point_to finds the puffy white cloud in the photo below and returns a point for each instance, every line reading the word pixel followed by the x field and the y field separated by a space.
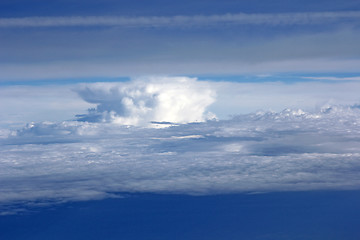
pixel 142 101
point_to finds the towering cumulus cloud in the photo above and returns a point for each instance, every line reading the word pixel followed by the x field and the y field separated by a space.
pixel 144 101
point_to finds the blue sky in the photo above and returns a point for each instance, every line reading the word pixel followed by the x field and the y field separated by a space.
pixel 103 101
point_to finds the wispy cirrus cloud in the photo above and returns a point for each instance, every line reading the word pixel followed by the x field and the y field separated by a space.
pixel 272 19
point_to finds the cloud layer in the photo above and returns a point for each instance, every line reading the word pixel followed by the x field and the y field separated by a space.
pixel 114 148
pixel 264 151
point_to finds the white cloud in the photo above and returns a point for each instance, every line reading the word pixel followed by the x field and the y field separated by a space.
pixel 187 21
pixel 174 100
pixel 24 104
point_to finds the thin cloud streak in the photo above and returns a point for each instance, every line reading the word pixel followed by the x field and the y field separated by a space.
pixel 302 18
pixel 334 78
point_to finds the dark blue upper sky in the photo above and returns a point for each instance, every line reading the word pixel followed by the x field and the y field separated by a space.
pixel 23 8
